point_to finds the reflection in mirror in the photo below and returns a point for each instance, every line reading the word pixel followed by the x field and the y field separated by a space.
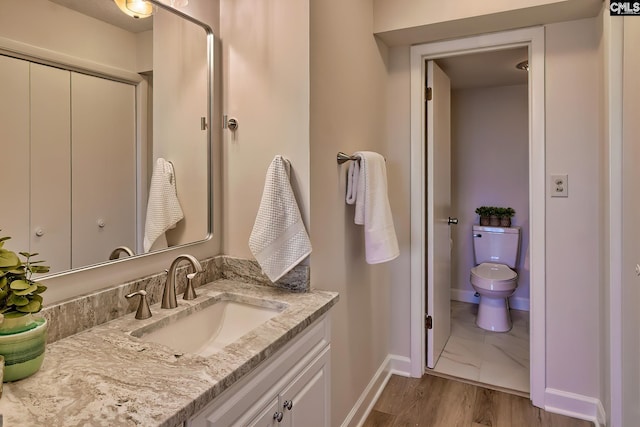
pixel 103 130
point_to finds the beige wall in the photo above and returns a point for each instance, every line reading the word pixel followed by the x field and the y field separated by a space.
pixel 573 111
pixel 406 22
pixel 399 14
pixel 100 43
pixel 489 167
pixel 179 100
pixel 266 88
pixel 349 113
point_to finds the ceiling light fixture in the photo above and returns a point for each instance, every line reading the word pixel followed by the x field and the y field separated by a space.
pixel 524 65
pixel 135 8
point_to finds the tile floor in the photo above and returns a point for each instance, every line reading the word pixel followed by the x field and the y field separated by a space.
pixel 500 359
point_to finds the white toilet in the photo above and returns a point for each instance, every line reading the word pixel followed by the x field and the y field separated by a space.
pixel 496 251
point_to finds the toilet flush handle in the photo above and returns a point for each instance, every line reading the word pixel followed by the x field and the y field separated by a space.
pixel 452 221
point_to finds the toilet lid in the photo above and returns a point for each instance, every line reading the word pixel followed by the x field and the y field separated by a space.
pixel 494 272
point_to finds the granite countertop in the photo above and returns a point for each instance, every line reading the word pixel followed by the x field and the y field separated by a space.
pixel 105 377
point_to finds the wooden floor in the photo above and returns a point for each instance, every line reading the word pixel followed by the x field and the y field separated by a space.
pixel 440 402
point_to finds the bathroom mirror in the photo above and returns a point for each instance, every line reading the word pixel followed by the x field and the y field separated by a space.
pixel 90 100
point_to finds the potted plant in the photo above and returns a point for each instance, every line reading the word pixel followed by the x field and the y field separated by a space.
pixel 505 216
pixel 22 336
pixel 485 212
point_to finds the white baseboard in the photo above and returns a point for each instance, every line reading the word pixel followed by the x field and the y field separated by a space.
pixel 575 405
pixel 465 295
pixel 364 405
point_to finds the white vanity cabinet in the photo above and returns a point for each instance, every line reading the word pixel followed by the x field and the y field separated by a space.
pixel 291 388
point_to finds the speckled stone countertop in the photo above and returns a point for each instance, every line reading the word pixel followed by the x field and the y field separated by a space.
pixel 105 377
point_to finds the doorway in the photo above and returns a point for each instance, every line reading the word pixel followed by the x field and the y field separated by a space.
pixel 423 217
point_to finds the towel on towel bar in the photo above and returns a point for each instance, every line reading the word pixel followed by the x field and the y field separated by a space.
pixel 367 188
pixel 279 240
pixel 163 208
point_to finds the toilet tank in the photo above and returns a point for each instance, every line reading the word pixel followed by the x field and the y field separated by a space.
pixel 496 244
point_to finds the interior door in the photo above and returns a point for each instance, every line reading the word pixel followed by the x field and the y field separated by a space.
pixel 438 198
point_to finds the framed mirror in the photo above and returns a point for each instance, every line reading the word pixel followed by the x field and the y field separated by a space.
pixel 104 130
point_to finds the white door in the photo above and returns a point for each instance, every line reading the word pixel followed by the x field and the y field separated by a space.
pixel 51 166
pixel 438 198
pixel 14 145
pixel 103 153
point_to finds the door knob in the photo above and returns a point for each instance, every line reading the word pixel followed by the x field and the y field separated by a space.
pixel 452 221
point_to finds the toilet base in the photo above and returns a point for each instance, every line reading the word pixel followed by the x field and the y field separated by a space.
pixel 493 314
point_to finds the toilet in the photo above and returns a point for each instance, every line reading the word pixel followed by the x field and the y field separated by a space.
pixel 496 251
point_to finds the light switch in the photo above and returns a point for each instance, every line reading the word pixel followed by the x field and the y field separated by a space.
pixel 560 185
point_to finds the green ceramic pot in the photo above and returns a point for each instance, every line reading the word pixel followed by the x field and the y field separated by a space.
pixel 22 343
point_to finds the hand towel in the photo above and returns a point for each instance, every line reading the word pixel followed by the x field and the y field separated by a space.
pixel 279 240
pixel 367 188
pixel 163 208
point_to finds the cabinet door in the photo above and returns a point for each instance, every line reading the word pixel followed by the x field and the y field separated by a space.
pixel 104 168
pixel 268 417
pixel 308 396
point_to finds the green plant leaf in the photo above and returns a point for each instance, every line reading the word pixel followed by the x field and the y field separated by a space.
pixel 8 258
pixel 39 268
pixel 18 285
pixel 41 288
pixel 27 291
pixel 17 300
pixel 33 307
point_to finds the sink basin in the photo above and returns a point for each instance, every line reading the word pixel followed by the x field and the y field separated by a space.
pixel 208 327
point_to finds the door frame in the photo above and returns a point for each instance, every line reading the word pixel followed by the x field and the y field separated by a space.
pixel 533 38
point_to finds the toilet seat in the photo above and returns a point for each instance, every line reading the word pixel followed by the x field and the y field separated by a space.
pixel 495 277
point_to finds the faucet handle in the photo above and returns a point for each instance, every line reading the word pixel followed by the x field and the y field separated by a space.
pixel 189 292
pixel 143 311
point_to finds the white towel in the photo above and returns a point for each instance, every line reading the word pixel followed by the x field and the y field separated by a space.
pixel 163 207
pixel 278 240
pixel 367 188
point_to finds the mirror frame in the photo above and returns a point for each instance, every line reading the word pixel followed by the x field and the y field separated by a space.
pixel 27 51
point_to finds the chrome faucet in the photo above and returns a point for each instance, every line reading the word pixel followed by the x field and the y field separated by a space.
pixel 115 254
pixel 169 296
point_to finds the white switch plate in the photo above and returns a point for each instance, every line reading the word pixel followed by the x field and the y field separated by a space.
pixel 560 185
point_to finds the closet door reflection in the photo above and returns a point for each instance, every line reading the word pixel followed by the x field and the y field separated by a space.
pixel 14 146
pixel 50 166
pixel 104 168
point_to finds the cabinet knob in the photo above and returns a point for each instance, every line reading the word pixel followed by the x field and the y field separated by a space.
pixel 39 232
pixel 101 223
pixel 288 404
pixel 278 416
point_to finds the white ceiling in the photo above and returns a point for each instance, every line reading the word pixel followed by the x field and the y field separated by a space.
pixel 107 11
pixel 485 69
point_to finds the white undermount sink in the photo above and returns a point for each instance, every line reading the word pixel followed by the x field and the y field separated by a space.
pixel 206 328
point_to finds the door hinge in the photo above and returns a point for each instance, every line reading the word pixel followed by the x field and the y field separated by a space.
pixel 428 93
pixel 428 322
